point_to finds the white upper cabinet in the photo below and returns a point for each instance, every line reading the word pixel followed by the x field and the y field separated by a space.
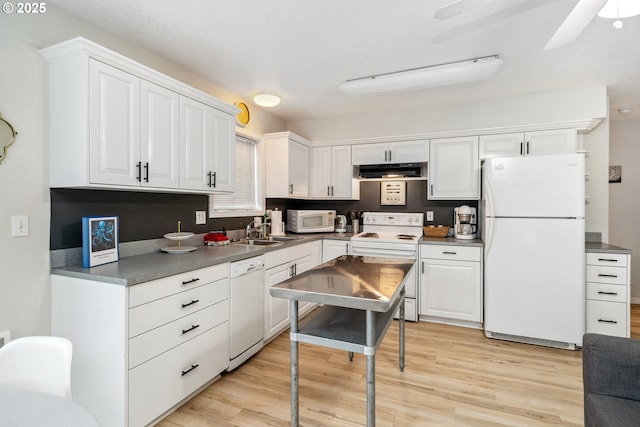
pixel 206 164
pixel 160 138
pixel 287 165
pixel 393 152
pixel 545 142
pixel 116 124
pixel 331 172
pixel 454 169
pixel 114 117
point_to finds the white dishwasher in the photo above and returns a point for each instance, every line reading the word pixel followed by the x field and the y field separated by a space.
pixel 247 310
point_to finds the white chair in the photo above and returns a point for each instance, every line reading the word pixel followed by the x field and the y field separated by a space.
pixel 37 364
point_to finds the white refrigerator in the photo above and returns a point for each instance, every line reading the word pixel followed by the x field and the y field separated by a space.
pixel 534 258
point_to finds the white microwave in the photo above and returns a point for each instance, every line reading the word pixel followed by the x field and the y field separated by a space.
pixel 310 221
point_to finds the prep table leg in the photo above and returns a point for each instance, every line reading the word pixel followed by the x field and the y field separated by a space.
pixel 401 320
pixel 371 370
pixel 295 413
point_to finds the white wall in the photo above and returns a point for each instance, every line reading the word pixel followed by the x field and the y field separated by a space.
pixel 624 201
pixel 24 183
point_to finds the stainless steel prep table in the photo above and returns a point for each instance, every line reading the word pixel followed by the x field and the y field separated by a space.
pixel 360 296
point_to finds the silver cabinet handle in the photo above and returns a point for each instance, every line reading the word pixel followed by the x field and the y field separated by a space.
pixel 607 275
pixel 449 253
pixel 607 293
pixel 607 260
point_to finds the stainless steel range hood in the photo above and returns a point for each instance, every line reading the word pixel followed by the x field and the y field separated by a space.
pixel 392 170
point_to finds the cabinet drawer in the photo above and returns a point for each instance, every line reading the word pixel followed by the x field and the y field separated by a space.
pixel 162 382
pixel 281 256
pixel 607 292
pixel 151 315
pixel 615 275
pixel 156 289
pixel 156 341
pixel 608 318
pixel 607 259
pixel 459 253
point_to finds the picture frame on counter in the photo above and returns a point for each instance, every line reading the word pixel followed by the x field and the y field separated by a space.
pixel 99 240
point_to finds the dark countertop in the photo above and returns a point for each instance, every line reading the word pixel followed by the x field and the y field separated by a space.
pixel 156 265
pixel 605 247
pixel 450 241
pixel 359 282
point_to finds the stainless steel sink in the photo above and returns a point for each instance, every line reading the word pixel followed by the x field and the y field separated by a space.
pixel 262 242
pixel 271 240
pixel 283 238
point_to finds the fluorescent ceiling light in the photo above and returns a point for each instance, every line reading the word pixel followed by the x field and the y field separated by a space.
pixel 266 100
pixel 419 78
pixel 620 9
pixel 625 110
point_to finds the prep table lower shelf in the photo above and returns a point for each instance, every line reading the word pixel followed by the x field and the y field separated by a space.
pixel 343 328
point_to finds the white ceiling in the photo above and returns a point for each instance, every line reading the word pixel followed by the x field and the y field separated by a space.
pixel 303 49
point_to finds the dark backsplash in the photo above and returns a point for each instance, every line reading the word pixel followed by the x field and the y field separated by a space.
pixel 146 215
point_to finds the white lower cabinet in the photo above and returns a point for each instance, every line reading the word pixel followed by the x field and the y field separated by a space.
pixel 451 284
pixel 334 248
pixel 281 265
pixel 164 381
pixel 139 351
pixel 608 294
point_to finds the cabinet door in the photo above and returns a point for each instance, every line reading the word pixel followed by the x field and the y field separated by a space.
pixel 333 249
pixel 298 170
pixel 502 145
pixel 114 135
pixel 195 142
pixel 454 169
pixel 369 154
pixel 222 128
pixel 408 152
pixel 451 289
pixel 160 136
pixel 277 309
pixel 321 172
pixel 559 141
pixel 341 172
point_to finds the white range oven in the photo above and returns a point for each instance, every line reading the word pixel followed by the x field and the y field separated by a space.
pixel 393 236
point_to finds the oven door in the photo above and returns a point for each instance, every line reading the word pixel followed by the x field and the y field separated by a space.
pixel 398 250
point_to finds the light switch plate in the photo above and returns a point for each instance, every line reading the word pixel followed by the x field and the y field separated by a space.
pixel 201 217
pixel 19 226
pixel 429 215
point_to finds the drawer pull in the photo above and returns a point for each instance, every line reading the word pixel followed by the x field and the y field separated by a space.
pixel 449 253
pixel 607 321
pixel 184 331
pixel 190 369
pixel 607 293
pixel 607 259
pixel 190 281
pixel 190 303
pixel 607 275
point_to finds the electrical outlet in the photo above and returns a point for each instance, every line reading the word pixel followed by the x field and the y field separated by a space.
pixel 429 215
pixel 201 217
pixel 19 226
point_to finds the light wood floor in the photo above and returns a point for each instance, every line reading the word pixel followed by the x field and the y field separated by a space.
pixel 453 376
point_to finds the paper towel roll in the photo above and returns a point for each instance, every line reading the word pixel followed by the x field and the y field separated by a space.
pixel 276 223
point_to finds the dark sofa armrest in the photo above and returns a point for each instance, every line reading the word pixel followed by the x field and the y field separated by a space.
pixel 611 366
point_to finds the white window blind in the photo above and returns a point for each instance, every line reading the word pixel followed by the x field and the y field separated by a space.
pixel 244 198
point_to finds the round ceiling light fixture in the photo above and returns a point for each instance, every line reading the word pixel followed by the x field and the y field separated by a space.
pixel 619 9
pixel 266 100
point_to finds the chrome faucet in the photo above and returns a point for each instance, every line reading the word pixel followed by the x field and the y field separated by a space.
pixel 260 228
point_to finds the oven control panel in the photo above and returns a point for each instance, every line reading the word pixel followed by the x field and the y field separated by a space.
pixel 400 219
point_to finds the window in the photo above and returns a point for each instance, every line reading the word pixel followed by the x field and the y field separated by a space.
pixel 248 196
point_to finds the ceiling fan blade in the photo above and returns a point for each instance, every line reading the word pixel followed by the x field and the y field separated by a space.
pixel 458 7
pixel 575 23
